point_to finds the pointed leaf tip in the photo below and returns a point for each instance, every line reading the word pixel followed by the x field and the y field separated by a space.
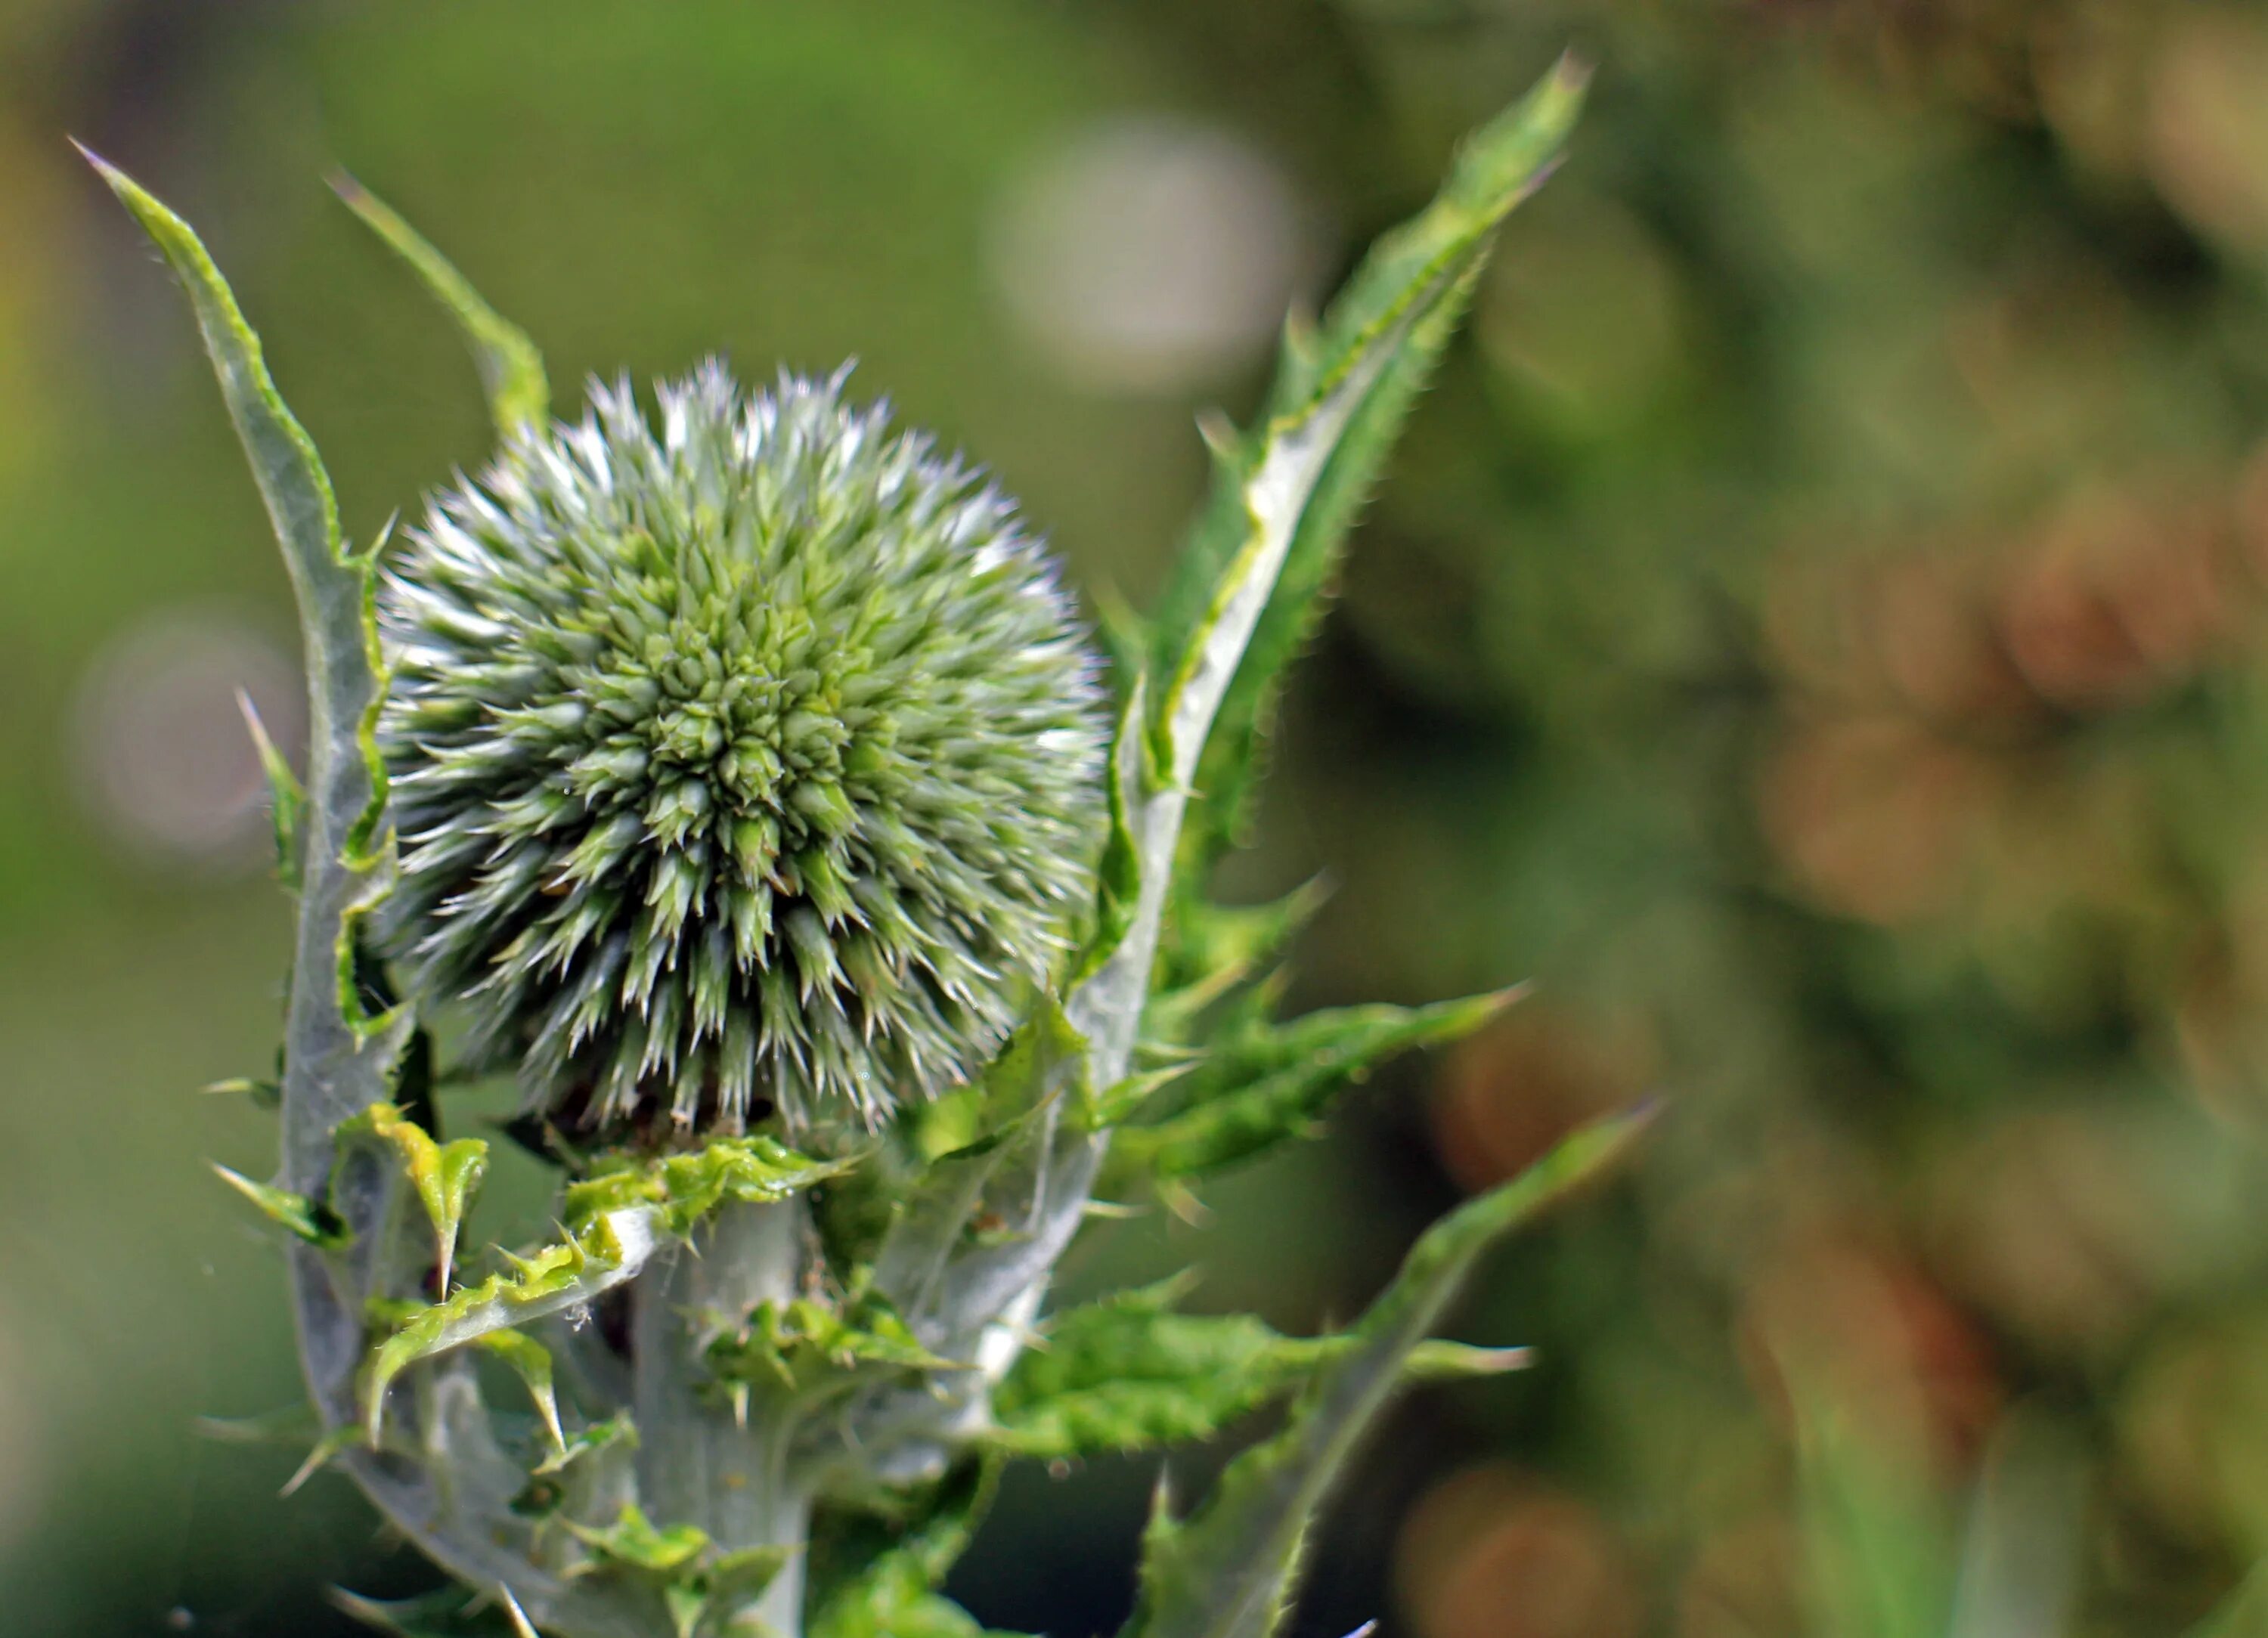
pixel 305 1219
pixel 521 1626
pixel 109 172
pixel 531 1361
pixel 326 1451
pixel 1220 436
pixel 446 1177
pixel 1571 76
pixel 287 797
pixel 1450 1362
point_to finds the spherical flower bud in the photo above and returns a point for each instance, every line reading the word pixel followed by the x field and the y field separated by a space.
pixel 748 763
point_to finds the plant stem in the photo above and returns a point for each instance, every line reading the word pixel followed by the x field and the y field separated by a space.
pixel 697 1463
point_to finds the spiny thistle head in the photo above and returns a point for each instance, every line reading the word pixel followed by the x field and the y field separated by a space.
pixel 752 763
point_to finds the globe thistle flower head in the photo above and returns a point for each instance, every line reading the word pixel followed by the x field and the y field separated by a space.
pixel 748 761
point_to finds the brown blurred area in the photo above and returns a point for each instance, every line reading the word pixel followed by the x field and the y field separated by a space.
pixel 1816 630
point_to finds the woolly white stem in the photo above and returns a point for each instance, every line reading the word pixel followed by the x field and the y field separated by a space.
pixel 698 1464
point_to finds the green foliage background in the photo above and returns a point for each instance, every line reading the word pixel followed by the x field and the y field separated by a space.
pixel 1814 630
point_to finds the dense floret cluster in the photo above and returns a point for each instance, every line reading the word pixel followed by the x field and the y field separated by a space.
pixel 748 762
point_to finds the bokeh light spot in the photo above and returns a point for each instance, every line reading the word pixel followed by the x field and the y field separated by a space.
pixel 166 766
pixel 1149 254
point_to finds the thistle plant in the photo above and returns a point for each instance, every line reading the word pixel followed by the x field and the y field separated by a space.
pixel 735 773
pixel 750 768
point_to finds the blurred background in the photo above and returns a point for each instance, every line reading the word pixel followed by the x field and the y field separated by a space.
pixel 1818 630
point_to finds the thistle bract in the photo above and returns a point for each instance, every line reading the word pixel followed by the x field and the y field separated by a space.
pixel 748 763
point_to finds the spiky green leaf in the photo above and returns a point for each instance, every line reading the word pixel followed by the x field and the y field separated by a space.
pixel 339 1055
pixel 723 1583
pixel 745 1572
pixel 510 368
pixel 1251 574
pixel 1228 1571
pixel 1274 1084
pixel 597 1255
pixel 614 1222
pixel 1042 1061
pixel 1129 1374
pixel 617 1429
pixel 979 1194
pixel 326 1450
pixel 264 1094
pixel 682 1189
pixel 1116 1104
pixel 1214 948
pixel 444 1176
pixel 697 1581
pixel 801 1345
pixel 336 1061
pixel 1384 334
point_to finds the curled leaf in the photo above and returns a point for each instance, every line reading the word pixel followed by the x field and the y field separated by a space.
pixel 531 1363
pixel 446 1176
pixel 682 1189
pixel 606 1250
